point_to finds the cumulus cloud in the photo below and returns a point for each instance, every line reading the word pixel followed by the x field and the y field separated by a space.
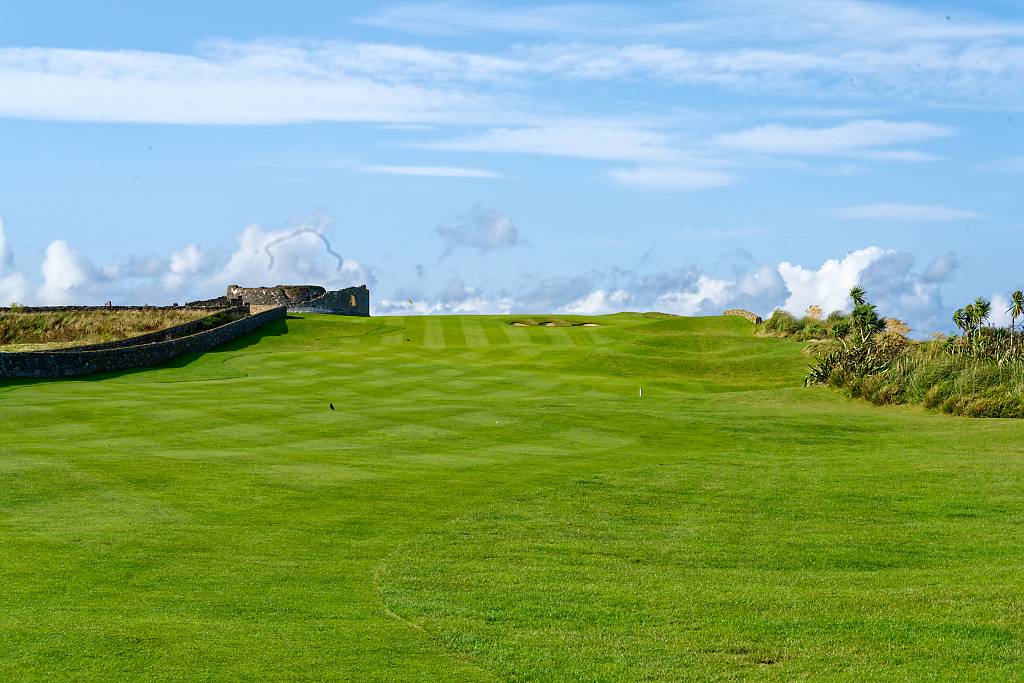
pixel 889 278
pixel 13 286
pixel 828 285
pixel 6 255
pixel 183 264
pixel 485 230
pixel 598 302
pixel 68 277
pixel 454 298
pixel 300 254
pixel 941 267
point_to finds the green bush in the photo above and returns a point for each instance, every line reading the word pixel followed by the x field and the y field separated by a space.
pixel 783 322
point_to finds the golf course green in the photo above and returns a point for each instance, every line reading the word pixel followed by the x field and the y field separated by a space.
pixel 498 502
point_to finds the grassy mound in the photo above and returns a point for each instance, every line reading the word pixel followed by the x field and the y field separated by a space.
pixel 22 331
pixel 498 502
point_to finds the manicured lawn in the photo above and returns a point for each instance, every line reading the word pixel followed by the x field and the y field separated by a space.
pixel 497 502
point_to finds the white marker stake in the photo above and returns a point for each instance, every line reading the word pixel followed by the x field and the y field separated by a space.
pixel 641 392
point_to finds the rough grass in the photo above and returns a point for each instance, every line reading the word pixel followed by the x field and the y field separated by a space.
pixel 491 502
pixel 923 374
pixel 20 331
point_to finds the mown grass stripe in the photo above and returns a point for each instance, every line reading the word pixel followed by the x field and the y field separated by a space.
pixel 560 336
pixel 473 332
pixel 496 331
pixel 393 338
pixel 451 328
pixel 413 330
pixel 581 336
pixel 540 335
pixel 518 335
pixel 433 335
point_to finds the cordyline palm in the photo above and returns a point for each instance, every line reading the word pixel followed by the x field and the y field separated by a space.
pixel 1015 310
pixel 960 319
pixel 969 318
pixel 864 317
pixel 982 308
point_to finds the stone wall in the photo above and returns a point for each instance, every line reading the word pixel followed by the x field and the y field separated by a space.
pixel 305 298
pixel 185 329
pixel 211 304
pixel 350 301
pixel 743 313
pixel 280 295
pixel 76 362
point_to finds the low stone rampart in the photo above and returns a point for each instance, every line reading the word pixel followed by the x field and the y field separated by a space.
pixel 183 330
pixel 212 305
pixel 350 301
pixel 76 362
pixel 305 298
pixel 743 313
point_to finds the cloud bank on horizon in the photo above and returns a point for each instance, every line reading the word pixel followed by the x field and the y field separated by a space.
pixel 848 142
pixel 67 277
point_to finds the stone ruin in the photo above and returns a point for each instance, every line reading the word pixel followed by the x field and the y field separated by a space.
pixel 304 299
pixel 743 313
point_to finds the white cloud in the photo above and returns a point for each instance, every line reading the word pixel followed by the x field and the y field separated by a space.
pixel 13 289
pixel 597 302
pixel 454 298
pixel 246 84
pixel 6 255
pixel 68 277
pixel 710 293
pixel 903 212
pixel 581 139
pixel 300 253
pixel 886 275
pixel 458 18
pixel 184 264
pixel 13 286
pixel 899 155
pixel 432 171
pixel 829 285
pixel 670 178
pixel 852 137
pixel 485 230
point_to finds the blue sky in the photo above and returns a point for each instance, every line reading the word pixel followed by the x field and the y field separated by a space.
pixel 474 157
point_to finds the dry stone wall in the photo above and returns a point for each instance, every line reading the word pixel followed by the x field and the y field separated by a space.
pixel 185 329
pixel 76 362
pixel 743 313
pixel 280 295
pixel 351 301
pixel 305 298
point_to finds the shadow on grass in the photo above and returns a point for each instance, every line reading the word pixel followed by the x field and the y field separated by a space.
pixel 275 328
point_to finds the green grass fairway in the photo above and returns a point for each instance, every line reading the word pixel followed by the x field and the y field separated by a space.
pixel 491 502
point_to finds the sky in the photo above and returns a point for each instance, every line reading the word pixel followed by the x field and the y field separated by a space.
pixel 465 157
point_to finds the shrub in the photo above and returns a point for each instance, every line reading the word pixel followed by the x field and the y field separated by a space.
pixel 783 322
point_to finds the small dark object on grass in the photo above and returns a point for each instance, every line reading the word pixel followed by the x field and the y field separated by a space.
pixel 332 405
